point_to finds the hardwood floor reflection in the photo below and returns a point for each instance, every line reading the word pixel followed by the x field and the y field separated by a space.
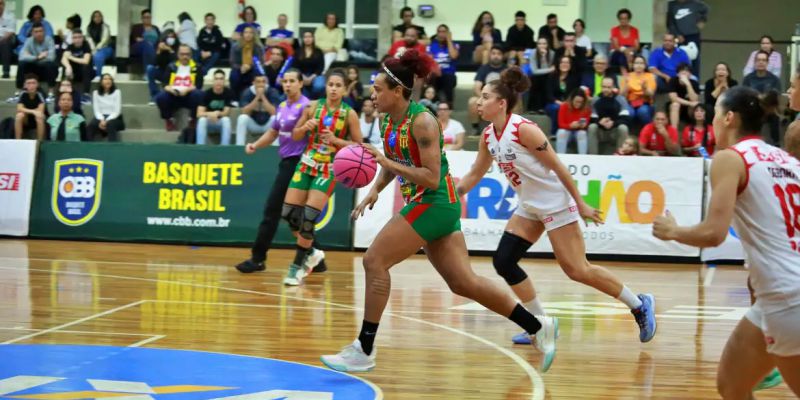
pixel 432 344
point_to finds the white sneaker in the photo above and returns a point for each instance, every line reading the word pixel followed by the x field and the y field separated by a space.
pixel 313 259
pixel 351 359
pixel 545 341
pixel 295 275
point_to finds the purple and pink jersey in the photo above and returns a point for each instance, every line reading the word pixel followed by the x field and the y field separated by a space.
pixel 285 120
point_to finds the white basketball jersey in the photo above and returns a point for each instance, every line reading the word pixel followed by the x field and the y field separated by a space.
pixel 767 220
pixel 538 188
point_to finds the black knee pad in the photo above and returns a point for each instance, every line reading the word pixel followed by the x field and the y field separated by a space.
pixel 505 260
pixel 310 215
pixel 293 215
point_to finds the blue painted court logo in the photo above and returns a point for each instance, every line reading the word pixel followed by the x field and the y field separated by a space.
pixel 77 184
pixel 69 372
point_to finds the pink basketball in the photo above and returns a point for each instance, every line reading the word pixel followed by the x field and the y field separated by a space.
pixel 354 166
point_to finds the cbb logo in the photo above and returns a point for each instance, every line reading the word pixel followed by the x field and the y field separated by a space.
pixel 77 185
pixel 80 187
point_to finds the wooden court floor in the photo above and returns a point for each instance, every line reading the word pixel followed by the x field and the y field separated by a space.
pixel 431 344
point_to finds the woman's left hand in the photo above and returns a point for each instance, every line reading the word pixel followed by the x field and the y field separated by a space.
pixel 593 214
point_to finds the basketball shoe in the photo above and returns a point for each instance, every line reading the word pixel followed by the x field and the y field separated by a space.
pixel 646 317
pixel 525 338
pixel 545 341
pixel 351 359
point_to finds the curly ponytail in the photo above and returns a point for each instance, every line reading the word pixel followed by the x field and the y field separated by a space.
pixel 402 71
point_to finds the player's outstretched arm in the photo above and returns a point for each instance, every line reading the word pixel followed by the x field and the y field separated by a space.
pixel 478 170
pixel 727 175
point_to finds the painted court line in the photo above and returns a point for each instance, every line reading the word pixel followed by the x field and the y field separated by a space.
pixel 68 324
pixel 146 341
pixel 536 380
pixel 76 332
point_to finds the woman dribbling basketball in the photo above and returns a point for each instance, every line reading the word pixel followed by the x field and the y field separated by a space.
pixel 412 140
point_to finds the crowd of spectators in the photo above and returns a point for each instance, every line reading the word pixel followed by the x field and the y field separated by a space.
pixel 595 96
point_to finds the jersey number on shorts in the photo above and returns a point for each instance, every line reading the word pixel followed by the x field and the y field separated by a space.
pixel 789 197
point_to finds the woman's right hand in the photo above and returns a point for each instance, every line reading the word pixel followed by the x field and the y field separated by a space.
pixel 368 202
pixel 311 124
pixel 250 148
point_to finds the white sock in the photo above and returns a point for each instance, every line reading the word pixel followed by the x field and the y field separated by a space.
pixel 630 299
pixel 535 307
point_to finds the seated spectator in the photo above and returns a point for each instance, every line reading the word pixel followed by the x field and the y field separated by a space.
pixel 717 85
pixel 539 67
pixel 249 18
pixel 624 41
pixel 245 60
pixel 684 94
pixel 370 124
pixel 630 147
pixel 664 61
pixel 35 15
pixel 698 134
pixel 486 73
pixel 310 61
pixel 77 62
pixel 445 52
pixel 144 39
pixel 280 34
pixel 552 32
pixel 768 86
pixel 769 102
pixel 484 37
pixel 256 110
pixel 210 42
pixel 452 130
pixel 410 41
pixel 355 89
pixel 98 34
pixel 65 36
pixel 107 105
pixel 429 97
pixel 398 31
pixel 560 84
pixel 576 54
pixel 794 92
pixel 187 33
pixel 639 89
pixel 166 53
pixel 581 40
pixel 272 70
pixel 658 138
pixel 213 114
pixel 66 86
pixel 761 79
pixel 66 125
pixel 330 39
pixel 31 110
pixel 38 57
pixel 518 39
pixel 8 37
pixel 181 88
pixel 610 119
pixel 593 81
pixel 775 61
pixel 573 119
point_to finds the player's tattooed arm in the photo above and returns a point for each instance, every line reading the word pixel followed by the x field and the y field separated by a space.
pixel 543 146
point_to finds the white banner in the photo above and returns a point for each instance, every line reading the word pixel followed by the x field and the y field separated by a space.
pixel 17 164
pixel 631 192
pixel 731 248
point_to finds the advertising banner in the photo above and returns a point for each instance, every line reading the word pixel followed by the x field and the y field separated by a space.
pixel 173 193
pixel 17 165
pixel 631 192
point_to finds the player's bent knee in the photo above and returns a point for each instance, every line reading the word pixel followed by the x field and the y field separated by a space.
pixel 310 215
pixel 578 272
pixel 293 214
pixel 506 265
